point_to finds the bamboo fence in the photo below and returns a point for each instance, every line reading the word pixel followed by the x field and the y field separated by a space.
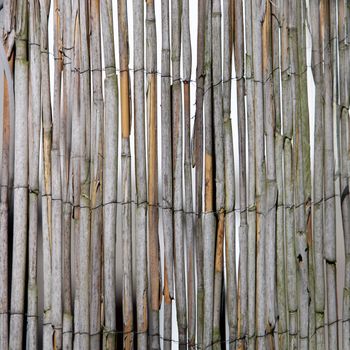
pixel 174 174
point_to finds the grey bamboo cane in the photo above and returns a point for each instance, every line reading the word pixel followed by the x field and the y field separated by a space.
pixel 126 174
pixel 243 229
pixel 329 237
pixel 271 186
pixel 75 162
pixel 85 218
pixel 97 176
pixel 231 294
pixel 180 287
pixel 219 167
pixel 288 179
pixel 8 114
pixel 299 211
pixel 110 171
pixel 318 169
pixel 65 148
pixel 153 250
pixel 20 179
pixel 7 23
pixel 280 239
pixel 140 175
pixel 167 190
pixel 344 181
pixel 251 174
pixel 56 287
pixel 198 163
pixel 46 179
pixel 34 140
pixel 188 203
pixel 309 291
pixel 258 11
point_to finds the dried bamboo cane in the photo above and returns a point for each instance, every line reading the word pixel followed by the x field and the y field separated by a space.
pixel 153 250
pixel 75 163
pixel 198 163
pixel 318 180
pixel 299 211
pixel 308 291
pixel 280 239
pixel 329 237
pixel 167 190
pixel 344 147
pixel 209 221
pixel 291 284
pixel 8 117
pixel 251 179
pixel 34 140
pixel 140 175
pixel 179 260
pixel 85 131
pixel 188 204
pixel 258 11
pixel 219 167
pixel 56 287
pixel 126 174
pixel 65 148
pixel 231 289
pixel 110 171
pixel 20 179
pixel 271 185
pixel 46 180
pixel 243 229
pixel 96 175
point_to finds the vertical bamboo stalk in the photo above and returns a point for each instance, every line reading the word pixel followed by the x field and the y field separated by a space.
pixel 140 175
pixel 209 222
pixel 198 163
pixel 258 11
pixel 231 289
pixel 34 140
pixel 249 86
pixel 153 250
pixel 188 204
pixel 167 177
pixel 20 179
pixel 110 171
pixel 56 287
pixel 75 163
pixel 318 169
pixel 97 176
pixel 280 231
pixel 300 236
pixel 288 179
pixel 65 148
pixel 271 186
pixel 126 174
pixel 219 167
pixel 46 179
pixel 243 229
pixel 7 125
pixel 344 147
pixel 329 223
pixel 308 275
pixel 180 287
pixel 85 130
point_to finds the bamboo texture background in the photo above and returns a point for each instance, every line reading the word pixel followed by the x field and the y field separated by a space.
pixel 174 174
